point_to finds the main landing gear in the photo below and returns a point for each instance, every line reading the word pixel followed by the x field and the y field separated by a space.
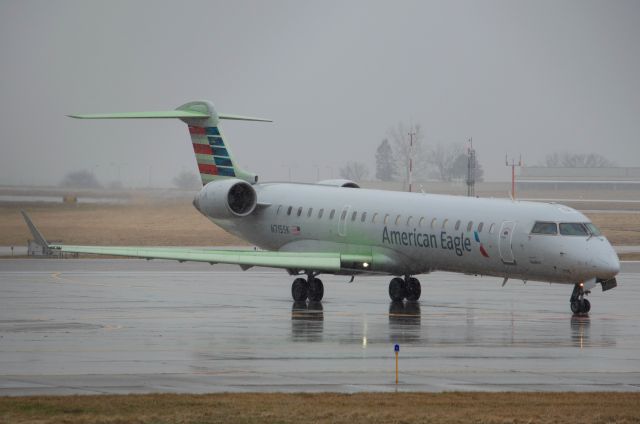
pixel 311 288
pixel 579 305
pixel 407 288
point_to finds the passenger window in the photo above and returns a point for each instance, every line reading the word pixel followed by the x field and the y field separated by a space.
pixel 433 223
pixel 289 210
pixel 309 213
pixel 332 214
pixel 320 213
pixel 409 221
pixel 373 219
pixel 492 228
pixel 593 229
pixel 457 227
pixel 444 223
pixel 299 211
pixel 278 211
pixel 421 222
pixel 344 215
pixel 398 220
pixel 573 229
pixel 364 217
pixel 548 228
pixel 480 225
pixel 386 219
pixel 354 215
pixel 469 226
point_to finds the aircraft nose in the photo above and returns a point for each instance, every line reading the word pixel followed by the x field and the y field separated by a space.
pixel 607 264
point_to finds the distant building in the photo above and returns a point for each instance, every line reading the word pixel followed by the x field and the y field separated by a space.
pixel 559 178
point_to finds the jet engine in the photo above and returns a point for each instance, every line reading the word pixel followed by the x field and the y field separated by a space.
pixel 224 199
pixel 339 183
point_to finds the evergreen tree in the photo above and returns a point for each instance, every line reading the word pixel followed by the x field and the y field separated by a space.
pixel 385 166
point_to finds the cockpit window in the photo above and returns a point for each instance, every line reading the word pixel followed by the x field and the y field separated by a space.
pixel 595 231
pixel 573 229
pixel 549 228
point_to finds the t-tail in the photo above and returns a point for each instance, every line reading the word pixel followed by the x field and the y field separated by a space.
pixel 213 155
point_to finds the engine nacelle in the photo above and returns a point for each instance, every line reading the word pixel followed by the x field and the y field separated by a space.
pixel 339 183
pixel 225 199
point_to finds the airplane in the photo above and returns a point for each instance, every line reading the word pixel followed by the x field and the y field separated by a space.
pixel 336 227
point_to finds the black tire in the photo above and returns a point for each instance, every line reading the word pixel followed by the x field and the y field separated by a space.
pixel 413 289
pixel 575 307
pixel 299 289
pixel 397 290
pixel 586 306
pixel 316 290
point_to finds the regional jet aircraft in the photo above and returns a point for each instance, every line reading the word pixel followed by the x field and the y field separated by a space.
pixel 336 227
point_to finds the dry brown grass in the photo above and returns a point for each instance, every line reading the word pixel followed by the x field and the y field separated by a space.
pixel 177 223
pixel 620 228
pixel 137 224
pixel 327 408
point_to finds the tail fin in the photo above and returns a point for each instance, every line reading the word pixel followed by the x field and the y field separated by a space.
pixel 215 160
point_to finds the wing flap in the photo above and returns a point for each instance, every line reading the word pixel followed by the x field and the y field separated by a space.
pixel 245 258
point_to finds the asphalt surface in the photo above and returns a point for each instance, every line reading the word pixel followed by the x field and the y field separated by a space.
pixel 130 326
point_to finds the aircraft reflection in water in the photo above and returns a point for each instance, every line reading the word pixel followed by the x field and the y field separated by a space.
pixel 580 331
pixel 307 321
pixel 404 322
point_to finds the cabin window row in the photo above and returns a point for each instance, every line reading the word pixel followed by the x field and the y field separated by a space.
pixel 387 219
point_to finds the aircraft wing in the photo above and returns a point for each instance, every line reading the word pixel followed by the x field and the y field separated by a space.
pixel 316 261
pixel 326 262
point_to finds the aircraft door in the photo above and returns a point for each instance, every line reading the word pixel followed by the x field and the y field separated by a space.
pixel 342 221
pixel 504 243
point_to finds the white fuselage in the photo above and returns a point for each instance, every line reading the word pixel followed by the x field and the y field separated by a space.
pixel 413 233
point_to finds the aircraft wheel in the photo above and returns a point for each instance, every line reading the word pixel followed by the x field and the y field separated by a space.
pixel 397 289
pixel 316 290
pixel 413 289
pixel 586 306
pixel 575 307
pixel 299 289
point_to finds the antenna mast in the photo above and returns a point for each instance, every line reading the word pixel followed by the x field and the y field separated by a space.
pixel 513 165
pixel 471 169
pixel 411 135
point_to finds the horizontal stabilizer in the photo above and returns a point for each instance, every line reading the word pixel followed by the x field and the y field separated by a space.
pixel 165 114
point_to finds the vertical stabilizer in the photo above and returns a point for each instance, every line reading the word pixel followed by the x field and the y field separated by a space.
pixel 213 155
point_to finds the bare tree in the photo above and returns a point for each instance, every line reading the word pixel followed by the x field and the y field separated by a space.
pixel 187 181
pixel 80 179
pixel 403 150
pixel 355 171
pixel 385 165
pixel 577 160
pixel 443 158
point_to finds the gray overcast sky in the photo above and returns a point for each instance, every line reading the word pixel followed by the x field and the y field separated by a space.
pixel 520 77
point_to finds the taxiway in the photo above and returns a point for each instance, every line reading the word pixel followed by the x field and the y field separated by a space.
pixel 130 326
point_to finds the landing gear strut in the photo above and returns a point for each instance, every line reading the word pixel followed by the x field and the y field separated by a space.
pixel 407 288
pixel 579 305
pixel 311 288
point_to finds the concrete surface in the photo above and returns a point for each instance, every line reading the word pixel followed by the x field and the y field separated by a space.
pixel 131 326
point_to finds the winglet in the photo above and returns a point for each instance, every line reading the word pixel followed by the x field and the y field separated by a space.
pixel 37 235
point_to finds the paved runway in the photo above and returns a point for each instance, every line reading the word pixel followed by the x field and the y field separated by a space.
pixel 130 326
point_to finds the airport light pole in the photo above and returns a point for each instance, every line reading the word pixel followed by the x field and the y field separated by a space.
pixel 513 165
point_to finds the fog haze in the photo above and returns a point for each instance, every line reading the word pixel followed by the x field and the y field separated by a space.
pixel 519 77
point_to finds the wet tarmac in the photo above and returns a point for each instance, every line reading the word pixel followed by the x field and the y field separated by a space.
pixel 130 326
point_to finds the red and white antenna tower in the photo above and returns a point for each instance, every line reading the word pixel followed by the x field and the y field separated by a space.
pixel 513 165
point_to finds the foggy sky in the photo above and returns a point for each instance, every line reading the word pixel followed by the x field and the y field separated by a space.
pixel 519 77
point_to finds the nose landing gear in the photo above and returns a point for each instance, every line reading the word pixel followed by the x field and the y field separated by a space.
pixel 407 288
pixel 311 288
pixel 579 305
